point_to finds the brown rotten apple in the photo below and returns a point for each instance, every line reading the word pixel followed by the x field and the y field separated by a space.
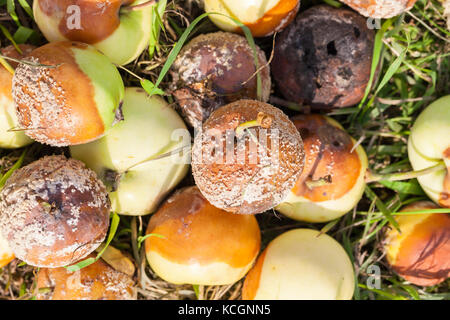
pixel 98 281
pixel 119 28
pixel 215 69
pixel 67 93
pixel 380 8
pixel 324 58
pixel 197 243
pixel 421 252
pixel 332 182
pixel 247 157
pixel 54 212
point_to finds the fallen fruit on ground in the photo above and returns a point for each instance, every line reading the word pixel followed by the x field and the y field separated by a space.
pixel 332 182
pixel 67 93
pixel 215 69
pixel 247 157
pixel 301 264
pixel 262 17
pixel 429 145
pixel 98 281
pixel 110 26
pixel 382 9
pixel 54 212
pixel 134 159
pixel 194 242
pixel 8 118
pixel 420 253
pixel 324 58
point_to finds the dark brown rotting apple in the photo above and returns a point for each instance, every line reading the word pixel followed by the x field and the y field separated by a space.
pixel 324 58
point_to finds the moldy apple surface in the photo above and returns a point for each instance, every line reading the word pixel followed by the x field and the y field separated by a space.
pixel 380 8
pixel 69 94
pixel 324 58
pixel 54 212
pixel 215 69
pixel 240 180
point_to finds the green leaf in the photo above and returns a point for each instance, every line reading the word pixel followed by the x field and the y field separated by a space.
pixel 196 290
pixel 391 70
pixel 143 238
pixel 115 219
pixel 11 8
pixel 150 88
pixel 26 7
pixel 10 38
pixel 157 25
pixel 23 34
pixel 382 207
pixel 16 166
pixel 410 187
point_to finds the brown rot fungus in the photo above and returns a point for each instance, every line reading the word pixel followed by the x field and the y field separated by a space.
pixel 54 212
pixel 324 58
pixel 215 69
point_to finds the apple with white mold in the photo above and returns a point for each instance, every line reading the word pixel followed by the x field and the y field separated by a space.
pixel 10 139
pixel 429 146
pixel 134 159
pixel 121 29
pixel 333 179
pixel 67 93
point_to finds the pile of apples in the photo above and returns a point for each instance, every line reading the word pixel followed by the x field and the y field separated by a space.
pixel 129 151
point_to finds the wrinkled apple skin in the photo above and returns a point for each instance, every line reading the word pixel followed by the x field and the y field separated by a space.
pixel 122 46
pixel 144 133
pixel 429 143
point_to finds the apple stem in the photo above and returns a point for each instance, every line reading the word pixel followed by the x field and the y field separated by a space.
pixel 262 120
pixel 324 181
pixel 140 6
pixel 398 176
pixel 2 57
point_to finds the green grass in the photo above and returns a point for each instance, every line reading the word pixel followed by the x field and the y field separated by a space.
pixel 413 51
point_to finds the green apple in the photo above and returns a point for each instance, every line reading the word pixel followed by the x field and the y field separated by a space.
pixel 139 159
pixel 428 145
pixel 112 27
pixel 330 154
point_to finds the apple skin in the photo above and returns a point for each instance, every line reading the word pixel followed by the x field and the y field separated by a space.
pixel 300 208
pixel 262 17
pixel 145 132
pixel 85 99
pixel 122 36
pixel 428 144
pixel 8 117
pixel 301 264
